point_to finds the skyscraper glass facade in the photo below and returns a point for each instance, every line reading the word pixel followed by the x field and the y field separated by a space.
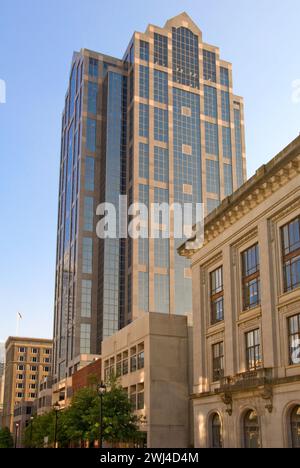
pixel 160 126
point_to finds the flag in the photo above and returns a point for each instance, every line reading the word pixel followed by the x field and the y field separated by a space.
pixel 20 316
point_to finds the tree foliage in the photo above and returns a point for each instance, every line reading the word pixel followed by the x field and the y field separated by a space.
pixel 81 421
pixel 6 439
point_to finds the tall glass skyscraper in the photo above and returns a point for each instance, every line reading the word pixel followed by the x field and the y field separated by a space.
pixel 160 125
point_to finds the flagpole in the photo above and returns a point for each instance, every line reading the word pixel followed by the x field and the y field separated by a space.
pixel 18 323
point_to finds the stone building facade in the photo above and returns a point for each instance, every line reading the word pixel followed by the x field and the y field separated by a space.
pixel 246 294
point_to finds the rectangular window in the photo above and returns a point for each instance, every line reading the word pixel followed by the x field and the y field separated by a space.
pixel 143 291
pixel 228 183
pixel 144 51
pixel 93 67
pixel 91 135
pixel 291 254
pixel 162 295
pixel 89 174
pixel 212 177
pixel 92 97
pixel 217 296
pixel 87 256
pixel 85 338
pixel 161 125
pixel 143 251
pixel 144 161
pixel 212 205
pixel 227 147
pixel 294 340
pixel 160 87
pixel 225 106
pixel 211 139
pixel 224 76
pixel 238 146
pixel 162 253
pixel 144 82
pixel 144 121
pixel 160 50
pixel 140 397
pixel 210 101
pixel 251 277
pixel 218 361
pixel 86 298
pixel 253 351
pixel 88 214
pixel 133 360
pixel 161 164
pixel 209 66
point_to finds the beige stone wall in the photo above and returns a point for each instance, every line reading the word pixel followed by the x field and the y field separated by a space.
pixel 255 214
pixel 165 375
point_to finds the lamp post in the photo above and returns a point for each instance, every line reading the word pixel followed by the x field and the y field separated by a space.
pixel 31 426
pixel 56 408
pixel 16 435
pixel 101 393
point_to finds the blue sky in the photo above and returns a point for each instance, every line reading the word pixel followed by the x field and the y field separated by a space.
pixel 37 39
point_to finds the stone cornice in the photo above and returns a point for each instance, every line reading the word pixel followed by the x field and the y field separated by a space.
pixel 267 180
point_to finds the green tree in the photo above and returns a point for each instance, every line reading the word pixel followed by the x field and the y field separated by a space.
pixel 43 427
pixel 81 421
pixel 120 423
pixel 6 439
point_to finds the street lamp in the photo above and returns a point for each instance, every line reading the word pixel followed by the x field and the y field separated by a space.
pixel 16 435
pixel 101 393
pixel 31 425
pixel 56 408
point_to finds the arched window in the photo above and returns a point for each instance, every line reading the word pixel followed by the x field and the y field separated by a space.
pixel 216 432
pixel 252 430
pixel 295 427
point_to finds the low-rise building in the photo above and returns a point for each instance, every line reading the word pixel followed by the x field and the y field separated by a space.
pixel 246 313
pixel 150 357
pixel 87 376
pixel 28 362
pixel 62 391
pixel 44 398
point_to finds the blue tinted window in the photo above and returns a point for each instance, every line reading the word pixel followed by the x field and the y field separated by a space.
pixel 161 126
pixel 143 291
pixel 210 101
pixel 161 253
pixel 143 251
pixel 144 51
pixel 87 255
pixel 227 148
pixel 161 294
pixel 211 138
pixel 92 97
pixel 93 67
pixel 228 185
pixel 224 76
pixel 212 205
pixel 144 121
pixel 91 135
pixel 144 161
pixel 160 87
pixel 89 174
pixel 88 214
pixel 225 106
pixel 238 147
pixel 185 57
pixel 209 66
pixel 160 50
pixel 144 82
pixel 85 338
pixel 161 164
pixel 212 177
pixel 86 298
